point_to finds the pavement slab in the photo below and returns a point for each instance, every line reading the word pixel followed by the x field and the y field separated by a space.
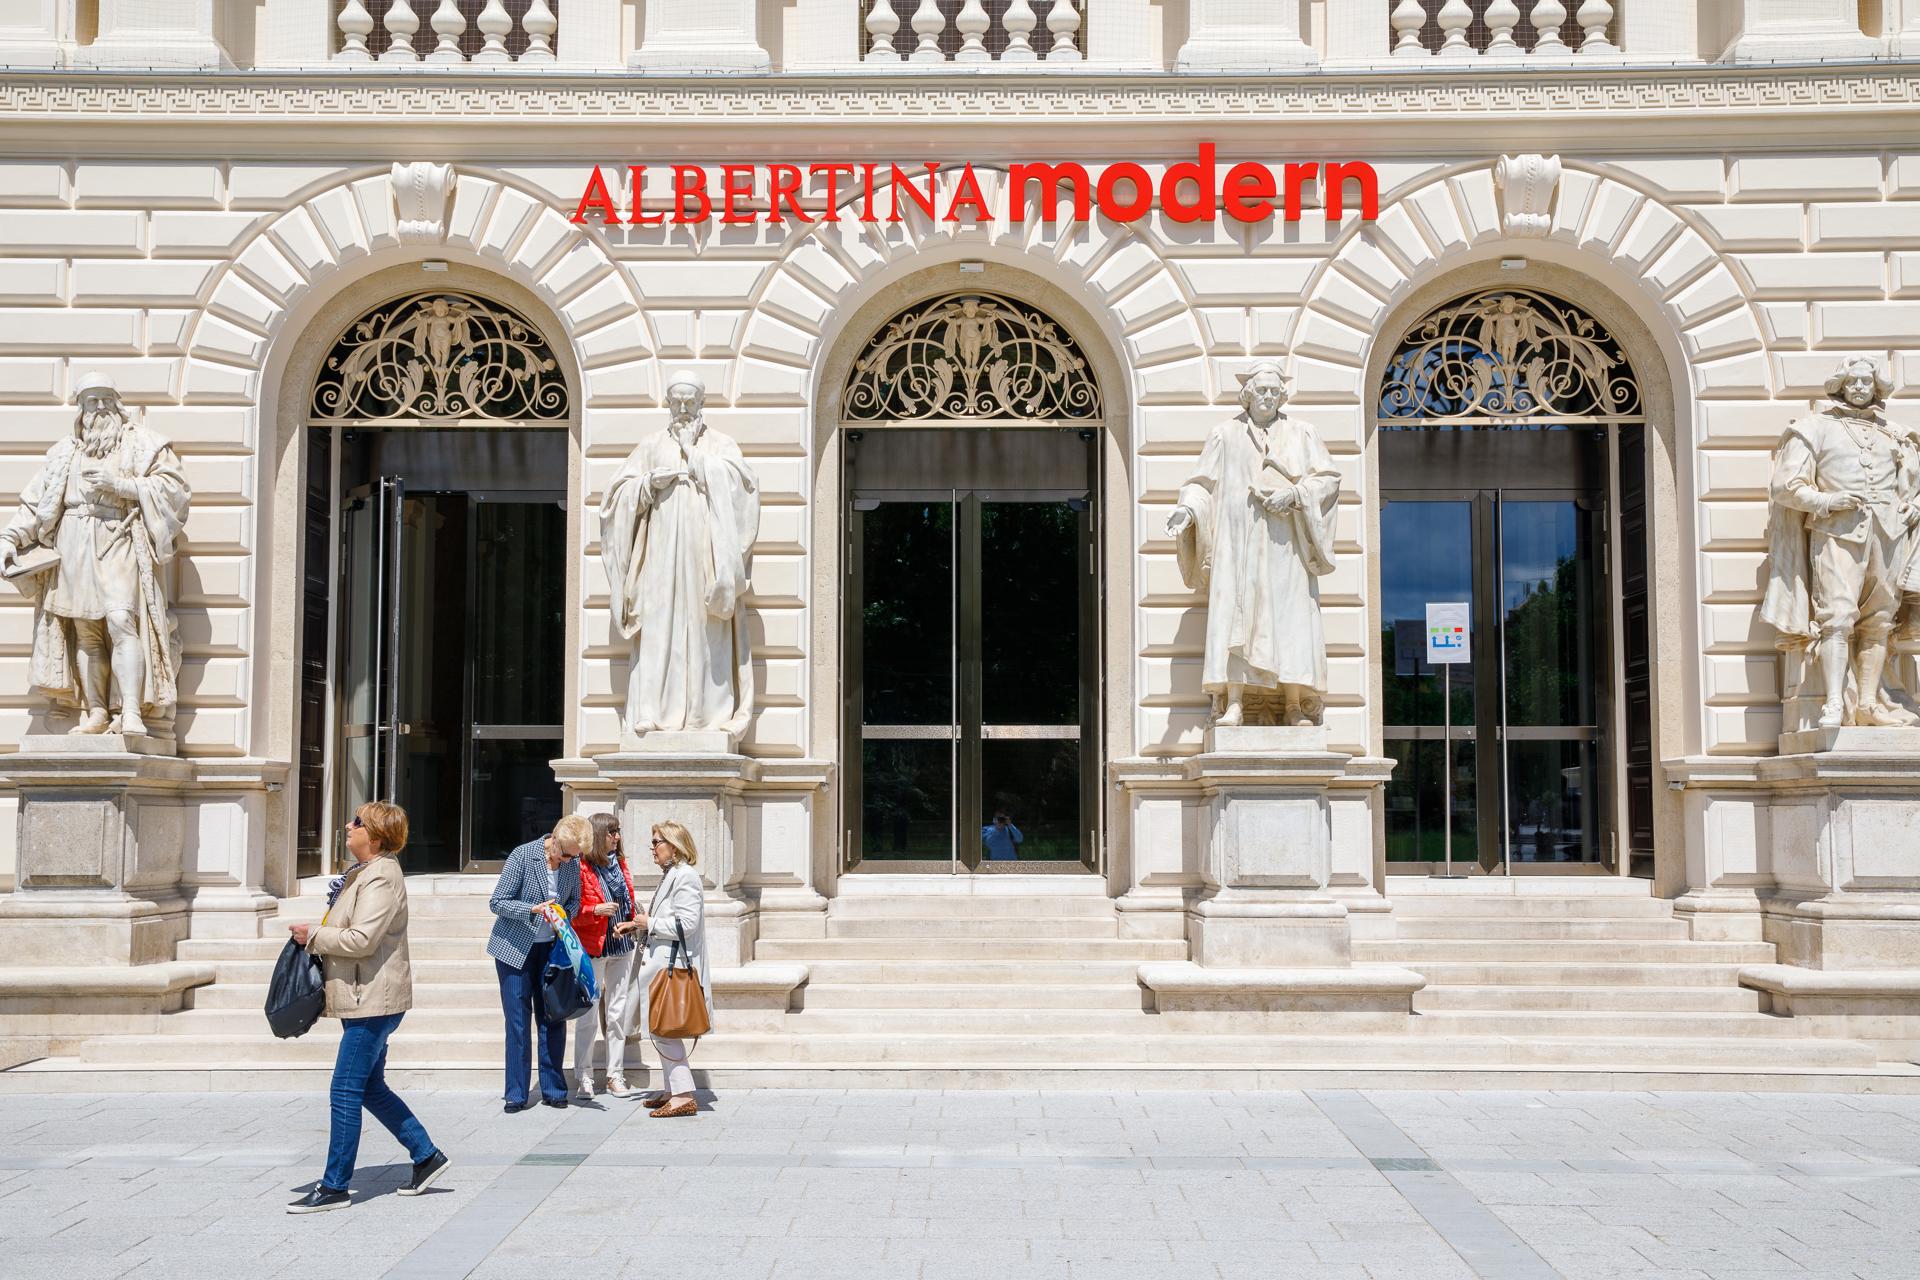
pixel 925 1185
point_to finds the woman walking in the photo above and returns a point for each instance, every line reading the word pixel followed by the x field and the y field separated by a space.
pixel 678 907
pixel 605 923
pixel 362 945
pixel 538 872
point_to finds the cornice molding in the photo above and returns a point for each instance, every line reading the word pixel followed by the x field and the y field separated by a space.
pixel 498 100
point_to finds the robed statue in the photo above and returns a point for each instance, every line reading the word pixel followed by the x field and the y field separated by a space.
pixel 97 526
pixel 1255 530
pixel 677 529
pixel 1846 497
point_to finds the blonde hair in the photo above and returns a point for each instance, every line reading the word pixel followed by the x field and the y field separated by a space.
pixel 575 832
pixel 682 841
pixel 385 823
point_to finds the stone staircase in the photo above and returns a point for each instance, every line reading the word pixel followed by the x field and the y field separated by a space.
pixel 1033 981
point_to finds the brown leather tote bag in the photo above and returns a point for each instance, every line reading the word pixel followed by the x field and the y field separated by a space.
pixel 676 1006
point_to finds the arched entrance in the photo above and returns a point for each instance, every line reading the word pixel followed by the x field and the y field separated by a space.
pixel 434 603
pixel 1512 452
pixel 972 429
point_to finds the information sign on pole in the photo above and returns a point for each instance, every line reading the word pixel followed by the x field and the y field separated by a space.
pixel 1449 643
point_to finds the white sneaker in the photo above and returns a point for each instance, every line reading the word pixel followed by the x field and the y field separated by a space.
pixel 585 1092
pixel 617 1086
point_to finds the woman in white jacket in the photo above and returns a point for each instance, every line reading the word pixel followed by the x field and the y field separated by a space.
pixel 678 903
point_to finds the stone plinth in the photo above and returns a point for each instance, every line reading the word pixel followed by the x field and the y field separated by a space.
pixel 1268 852
pixel 102 835
pixel 703 792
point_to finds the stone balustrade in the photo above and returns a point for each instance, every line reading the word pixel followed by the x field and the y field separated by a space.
pixel 446 32
pixel 973 31
pixel 1459 29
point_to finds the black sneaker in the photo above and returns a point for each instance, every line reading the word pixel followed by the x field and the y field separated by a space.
pixel 319 1200
pixel 425 1172
pixel 514 1108
pixel 558 1103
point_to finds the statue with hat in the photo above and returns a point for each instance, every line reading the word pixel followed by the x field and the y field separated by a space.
pixel 90 545
pixel 1255 532
pixel 677 528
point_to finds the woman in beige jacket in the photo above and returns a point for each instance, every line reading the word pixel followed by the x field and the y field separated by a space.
pixel 361 942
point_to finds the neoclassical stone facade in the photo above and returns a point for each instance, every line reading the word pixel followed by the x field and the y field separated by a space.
pixel 207 229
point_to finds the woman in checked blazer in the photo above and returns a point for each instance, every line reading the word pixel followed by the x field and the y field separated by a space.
pixel 678 903
pixel 538 872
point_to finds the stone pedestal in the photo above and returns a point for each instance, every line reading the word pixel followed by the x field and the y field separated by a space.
pixel 660 780
pixel 701 35
pixel 102 835
pixel 1798 31
pixel 1268 841
pixel 173 34
pixel 1244 35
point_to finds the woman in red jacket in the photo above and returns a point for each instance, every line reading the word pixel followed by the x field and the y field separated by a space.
pixel 605 923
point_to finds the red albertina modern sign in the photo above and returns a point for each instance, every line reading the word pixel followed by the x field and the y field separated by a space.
pixel 1201 190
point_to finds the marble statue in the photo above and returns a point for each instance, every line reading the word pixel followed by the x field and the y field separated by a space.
pixel 1255 529
pixel 109 502
pixel 1846 496
pixel 677 529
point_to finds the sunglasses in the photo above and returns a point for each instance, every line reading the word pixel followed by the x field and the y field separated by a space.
pixel 656 842
pixel 355 824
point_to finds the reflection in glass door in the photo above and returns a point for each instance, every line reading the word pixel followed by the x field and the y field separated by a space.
pixel 1528 752
pixel 971 650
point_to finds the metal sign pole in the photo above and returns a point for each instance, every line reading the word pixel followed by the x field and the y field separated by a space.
pixel 1446 762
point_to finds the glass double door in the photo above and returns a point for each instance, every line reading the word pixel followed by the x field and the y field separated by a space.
pixel 451 645
pixel 1523 729
pixel 972 650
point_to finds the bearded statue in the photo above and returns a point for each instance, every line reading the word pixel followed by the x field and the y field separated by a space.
pixel 90 545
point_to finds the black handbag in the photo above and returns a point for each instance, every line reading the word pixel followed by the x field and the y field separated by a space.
pixel 297 993
pixel 562 998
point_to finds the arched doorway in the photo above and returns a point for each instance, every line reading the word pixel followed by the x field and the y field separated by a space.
pixel 1512 451
pixel 434 601
pixel 972 427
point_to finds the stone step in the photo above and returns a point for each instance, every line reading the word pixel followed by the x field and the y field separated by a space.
pixel 1136 949
pixel 1409 905
pixel 1624 999
pixel 1502 928
pixel 946 887
pixel 970 907
pixel 1122 993
pixel 1415 951
pixel 918 929
pixel 1011 1052
pixel 1605 1022
pixel 1481 973
pixel 472 949
pixel 993 972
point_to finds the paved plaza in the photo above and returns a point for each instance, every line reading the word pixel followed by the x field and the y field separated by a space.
pixel 933 1185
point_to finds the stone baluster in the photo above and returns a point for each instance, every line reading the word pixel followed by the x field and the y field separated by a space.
pixel 882 24
pixel 449 24
pixel 1502 17
pixel 1064 21
pixel 1547 17
pixel 1409 16
pixel 1594 16
pixel 1019 21
pixel 972 22
pixel 355 24
pixel 496 24
pixel 1455 17
pixel 401 22
pixel 928 24
pixel 541 27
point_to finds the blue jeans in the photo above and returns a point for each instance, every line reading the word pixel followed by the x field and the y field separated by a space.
pixel 360 1081
pixel 520 1000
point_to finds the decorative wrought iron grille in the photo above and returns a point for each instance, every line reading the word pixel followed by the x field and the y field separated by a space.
pixel 441 356
pixel 971 355
pixel 1480 35
pixel 1507 358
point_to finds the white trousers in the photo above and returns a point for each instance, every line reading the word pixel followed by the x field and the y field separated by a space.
pixel 675 1075
pixel 615 1012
